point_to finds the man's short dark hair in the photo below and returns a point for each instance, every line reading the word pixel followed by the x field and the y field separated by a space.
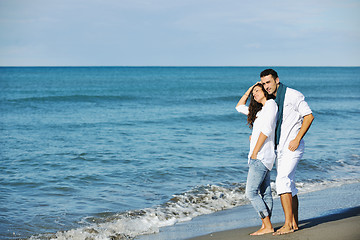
pixel 269 71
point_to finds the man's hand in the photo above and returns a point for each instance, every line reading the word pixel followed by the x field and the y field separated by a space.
pixel 293 145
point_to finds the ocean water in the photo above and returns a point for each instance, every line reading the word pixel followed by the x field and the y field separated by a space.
pixel 118 152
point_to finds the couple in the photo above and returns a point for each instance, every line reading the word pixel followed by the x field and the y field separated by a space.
pixel 279 118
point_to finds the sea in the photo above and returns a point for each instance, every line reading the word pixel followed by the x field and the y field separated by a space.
pixel 123 152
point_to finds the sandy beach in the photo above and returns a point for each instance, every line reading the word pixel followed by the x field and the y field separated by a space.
pixel 344 225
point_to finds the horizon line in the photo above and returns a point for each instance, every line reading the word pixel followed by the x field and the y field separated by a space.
pixel 180 66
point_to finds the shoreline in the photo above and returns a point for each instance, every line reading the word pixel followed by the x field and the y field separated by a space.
pixel 343 225
pixel 318 210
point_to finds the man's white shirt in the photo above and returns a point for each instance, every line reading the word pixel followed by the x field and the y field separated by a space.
pixel 294 111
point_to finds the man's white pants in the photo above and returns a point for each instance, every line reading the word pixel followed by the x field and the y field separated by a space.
pixel 286 167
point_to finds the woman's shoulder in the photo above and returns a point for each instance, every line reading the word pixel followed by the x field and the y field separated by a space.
pixel 271 102
pixel 271 105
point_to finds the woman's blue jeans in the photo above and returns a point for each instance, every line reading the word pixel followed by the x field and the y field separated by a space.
pixel 258 189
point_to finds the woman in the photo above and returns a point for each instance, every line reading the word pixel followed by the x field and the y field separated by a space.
pixel 262 117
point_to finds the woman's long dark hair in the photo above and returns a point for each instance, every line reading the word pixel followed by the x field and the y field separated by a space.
pixel 254 106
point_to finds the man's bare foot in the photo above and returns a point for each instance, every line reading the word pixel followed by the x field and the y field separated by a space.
pixel 295 226
pixel 262 231
pixel 283 230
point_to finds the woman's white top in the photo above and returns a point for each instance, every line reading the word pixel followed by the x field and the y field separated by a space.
pixel 265 122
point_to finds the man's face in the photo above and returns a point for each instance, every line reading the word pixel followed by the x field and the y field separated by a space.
pixel 270 84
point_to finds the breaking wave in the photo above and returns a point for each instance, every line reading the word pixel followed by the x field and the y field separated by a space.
pixel 182 207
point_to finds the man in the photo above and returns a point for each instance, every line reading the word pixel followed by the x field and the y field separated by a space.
pixel 294 120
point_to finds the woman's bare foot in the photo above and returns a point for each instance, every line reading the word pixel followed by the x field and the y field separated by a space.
pixel 284 230
pixel 262 231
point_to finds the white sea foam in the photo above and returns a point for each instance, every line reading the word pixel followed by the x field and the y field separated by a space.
pixel 182 207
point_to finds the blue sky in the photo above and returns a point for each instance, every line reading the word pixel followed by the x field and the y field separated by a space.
pixel 179 33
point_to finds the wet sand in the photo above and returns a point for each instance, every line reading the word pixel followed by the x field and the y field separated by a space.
pixel 331 213
pixel 344 225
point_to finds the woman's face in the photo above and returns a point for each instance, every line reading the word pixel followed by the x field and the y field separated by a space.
pixel 258 94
